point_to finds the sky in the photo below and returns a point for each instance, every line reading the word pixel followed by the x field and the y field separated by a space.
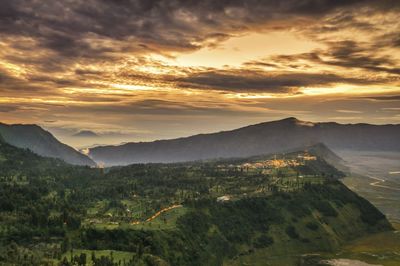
pixel 140 70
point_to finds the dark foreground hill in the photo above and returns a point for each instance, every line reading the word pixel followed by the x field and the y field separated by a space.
pixel 264 138
pixel 43 143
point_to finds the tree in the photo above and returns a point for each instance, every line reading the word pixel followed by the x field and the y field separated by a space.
pixel 65 245
pixel 65 262
pixel 82 259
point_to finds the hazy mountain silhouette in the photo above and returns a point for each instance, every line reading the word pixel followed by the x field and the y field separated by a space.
pixel 42 142
pixel 269 137
pixel 86 134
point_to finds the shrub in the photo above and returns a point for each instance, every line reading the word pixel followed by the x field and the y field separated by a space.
pixel 312 226
pixel 291 232
pixel 263 241
pixel 325 208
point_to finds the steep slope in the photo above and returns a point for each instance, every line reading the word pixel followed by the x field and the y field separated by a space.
pixel 269 137
pixel 322 151
pixel 41 142
pixel 16 161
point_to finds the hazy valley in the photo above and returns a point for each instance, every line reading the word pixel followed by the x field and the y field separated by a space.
pixel 375 175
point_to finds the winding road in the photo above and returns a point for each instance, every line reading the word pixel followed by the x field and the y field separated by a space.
pixel 158 213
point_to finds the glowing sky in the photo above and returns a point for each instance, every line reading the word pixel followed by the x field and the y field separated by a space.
pixel 133 70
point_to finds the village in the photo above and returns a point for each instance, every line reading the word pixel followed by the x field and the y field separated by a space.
pixel 228 181
pixel 272 163
pixel 280 163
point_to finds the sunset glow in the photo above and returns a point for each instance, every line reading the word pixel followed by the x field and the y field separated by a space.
pixel 199 67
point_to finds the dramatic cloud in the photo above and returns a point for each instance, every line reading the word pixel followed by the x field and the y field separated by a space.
pixel 178 64
pixel 257 81
pixel 345 54
pixel 105 29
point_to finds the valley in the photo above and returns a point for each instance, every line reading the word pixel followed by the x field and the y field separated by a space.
pixel 374 175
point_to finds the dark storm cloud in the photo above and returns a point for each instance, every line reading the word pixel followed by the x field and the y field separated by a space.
pixel 254 81
pixel 346 54
pixel 349 55
pixel 62 26
pixel 54 40
pixel 343 19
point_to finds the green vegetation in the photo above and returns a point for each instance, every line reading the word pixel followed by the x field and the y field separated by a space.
pixel 201 213
pixel 381 248
pixel 292 232
pixel 92 256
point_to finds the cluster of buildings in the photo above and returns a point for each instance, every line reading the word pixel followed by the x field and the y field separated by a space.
pixel 273 163
pixel 306 157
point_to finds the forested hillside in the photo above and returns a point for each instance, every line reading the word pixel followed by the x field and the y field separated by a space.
pixel 199 213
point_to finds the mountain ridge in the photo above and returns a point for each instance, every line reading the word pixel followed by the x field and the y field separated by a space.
pixel 261 138
pixel 42 142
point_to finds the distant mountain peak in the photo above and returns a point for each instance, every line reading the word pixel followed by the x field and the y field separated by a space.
pixel 290 119
pixel 86 133
pixel 296 121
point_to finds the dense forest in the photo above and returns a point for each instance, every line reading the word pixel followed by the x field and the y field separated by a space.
pixel 199 213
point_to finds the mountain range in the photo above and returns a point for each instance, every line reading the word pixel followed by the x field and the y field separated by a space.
pixel 264 138
pixel 43 143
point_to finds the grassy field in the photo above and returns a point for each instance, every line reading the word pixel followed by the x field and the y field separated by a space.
pixel 382 249
pixel 378 249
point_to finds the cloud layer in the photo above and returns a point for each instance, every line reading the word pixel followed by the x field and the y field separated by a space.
pixel 66 61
